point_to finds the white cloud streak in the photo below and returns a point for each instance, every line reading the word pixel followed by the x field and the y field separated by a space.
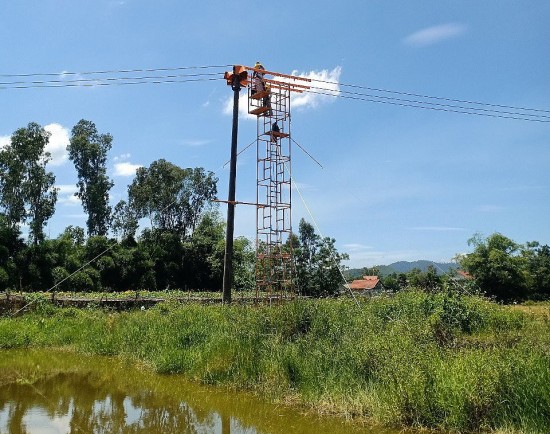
pixel 328 84
pixel 196 142
pixel 438 229
pixel 435 34
pixel 4 141
pixel 126 169
pixel 57 145
pixel 122 157
pixel 66 194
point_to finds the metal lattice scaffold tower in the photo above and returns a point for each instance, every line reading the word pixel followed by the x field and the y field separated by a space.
pixel 269 101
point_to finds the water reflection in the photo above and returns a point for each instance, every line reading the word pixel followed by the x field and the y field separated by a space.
pixel 48 392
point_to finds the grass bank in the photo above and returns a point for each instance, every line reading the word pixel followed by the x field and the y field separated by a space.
pixel 438 361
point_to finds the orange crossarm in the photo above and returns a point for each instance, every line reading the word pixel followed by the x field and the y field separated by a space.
pixel 285 83
pixel 277 74
pixel 278 84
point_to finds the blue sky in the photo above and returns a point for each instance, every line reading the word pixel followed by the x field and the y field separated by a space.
pixel 397 183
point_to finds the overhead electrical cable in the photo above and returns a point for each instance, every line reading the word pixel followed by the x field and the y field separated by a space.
pixel 103 83
pixel 420 106
pixel 93 80
pixel 429 96
pixel 117 78
pixel 114 71
pixel 389 98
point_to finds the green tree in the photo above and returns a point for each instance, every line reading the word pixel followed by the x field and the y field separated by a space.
pixel 538 267
pixel 125 221
pixel 394 282
pixel 166 251
pixel 27 191
pixel 171 197
pixel 88 151
pixel 204 253
pixel 427 280
pixel 318 263
pixel 497 267
pixel 244 259
pixel 11 245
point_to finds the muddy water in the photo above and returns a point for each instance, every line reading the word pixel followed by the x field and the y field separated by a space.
pixel 58 392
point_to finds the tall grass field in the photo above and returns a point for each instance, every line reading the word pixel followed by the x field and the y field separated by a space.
pixel 443 361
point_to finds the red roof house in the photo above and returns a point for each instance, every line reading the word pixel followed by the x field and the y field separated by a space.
pixel 367 283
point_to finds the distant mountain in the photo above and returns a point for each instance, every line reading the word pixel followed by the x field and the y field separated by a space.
pixel 405 267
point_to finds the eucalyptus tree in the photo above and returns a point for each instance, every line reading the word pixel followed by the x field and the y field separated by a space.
pixel 318 262
pixel 173 198
pixel 88 151
pixel 27 191
pixel 125 222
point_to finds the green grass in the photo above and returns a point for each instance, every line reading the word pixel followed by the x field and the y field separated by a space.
pixel 125 295
pixel 414 360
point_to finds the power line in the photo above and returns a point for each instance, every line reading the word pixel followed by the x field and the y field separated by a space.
pixel 429 96
pixel 485 109
pixel 420 106
pixel 434 103
pixel 95 83
pixel 93 80
pixel 113 71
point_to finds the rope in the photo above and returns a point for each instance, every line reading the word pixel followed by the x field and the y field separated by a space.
pixel 320 233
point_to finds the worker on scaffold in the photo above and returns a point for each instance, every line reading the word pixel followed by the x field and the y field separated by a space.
pixel 257 79
pixel 274 131
pixel 267 100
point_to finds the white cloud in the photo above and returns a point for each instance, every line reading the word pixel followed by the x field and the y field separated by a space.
pixel 196 142
pixel 243 106
pixel 66 188
pixel 122 157
pixel 4 141
pixel 356 247
pixel 57 145
pixel 325 90
pixel 433 35
pixel 126 169
pixel 437 229
pixel 65 194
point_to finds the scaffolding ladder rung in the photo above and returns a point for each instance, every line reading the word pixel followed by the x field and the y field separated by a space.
pixel 260 95
pixel 276 133
pixel 259 111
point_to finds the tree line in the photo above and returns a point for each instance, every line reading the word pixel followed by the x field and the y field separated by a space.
pixel 498 268
pixel 182 247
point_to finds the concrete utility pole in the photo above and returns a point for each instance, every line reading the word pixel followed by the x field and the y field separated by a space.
pixel 235 79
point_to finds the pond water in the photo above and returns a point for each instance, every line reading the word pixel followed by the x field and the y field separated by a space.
pixel 44 391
